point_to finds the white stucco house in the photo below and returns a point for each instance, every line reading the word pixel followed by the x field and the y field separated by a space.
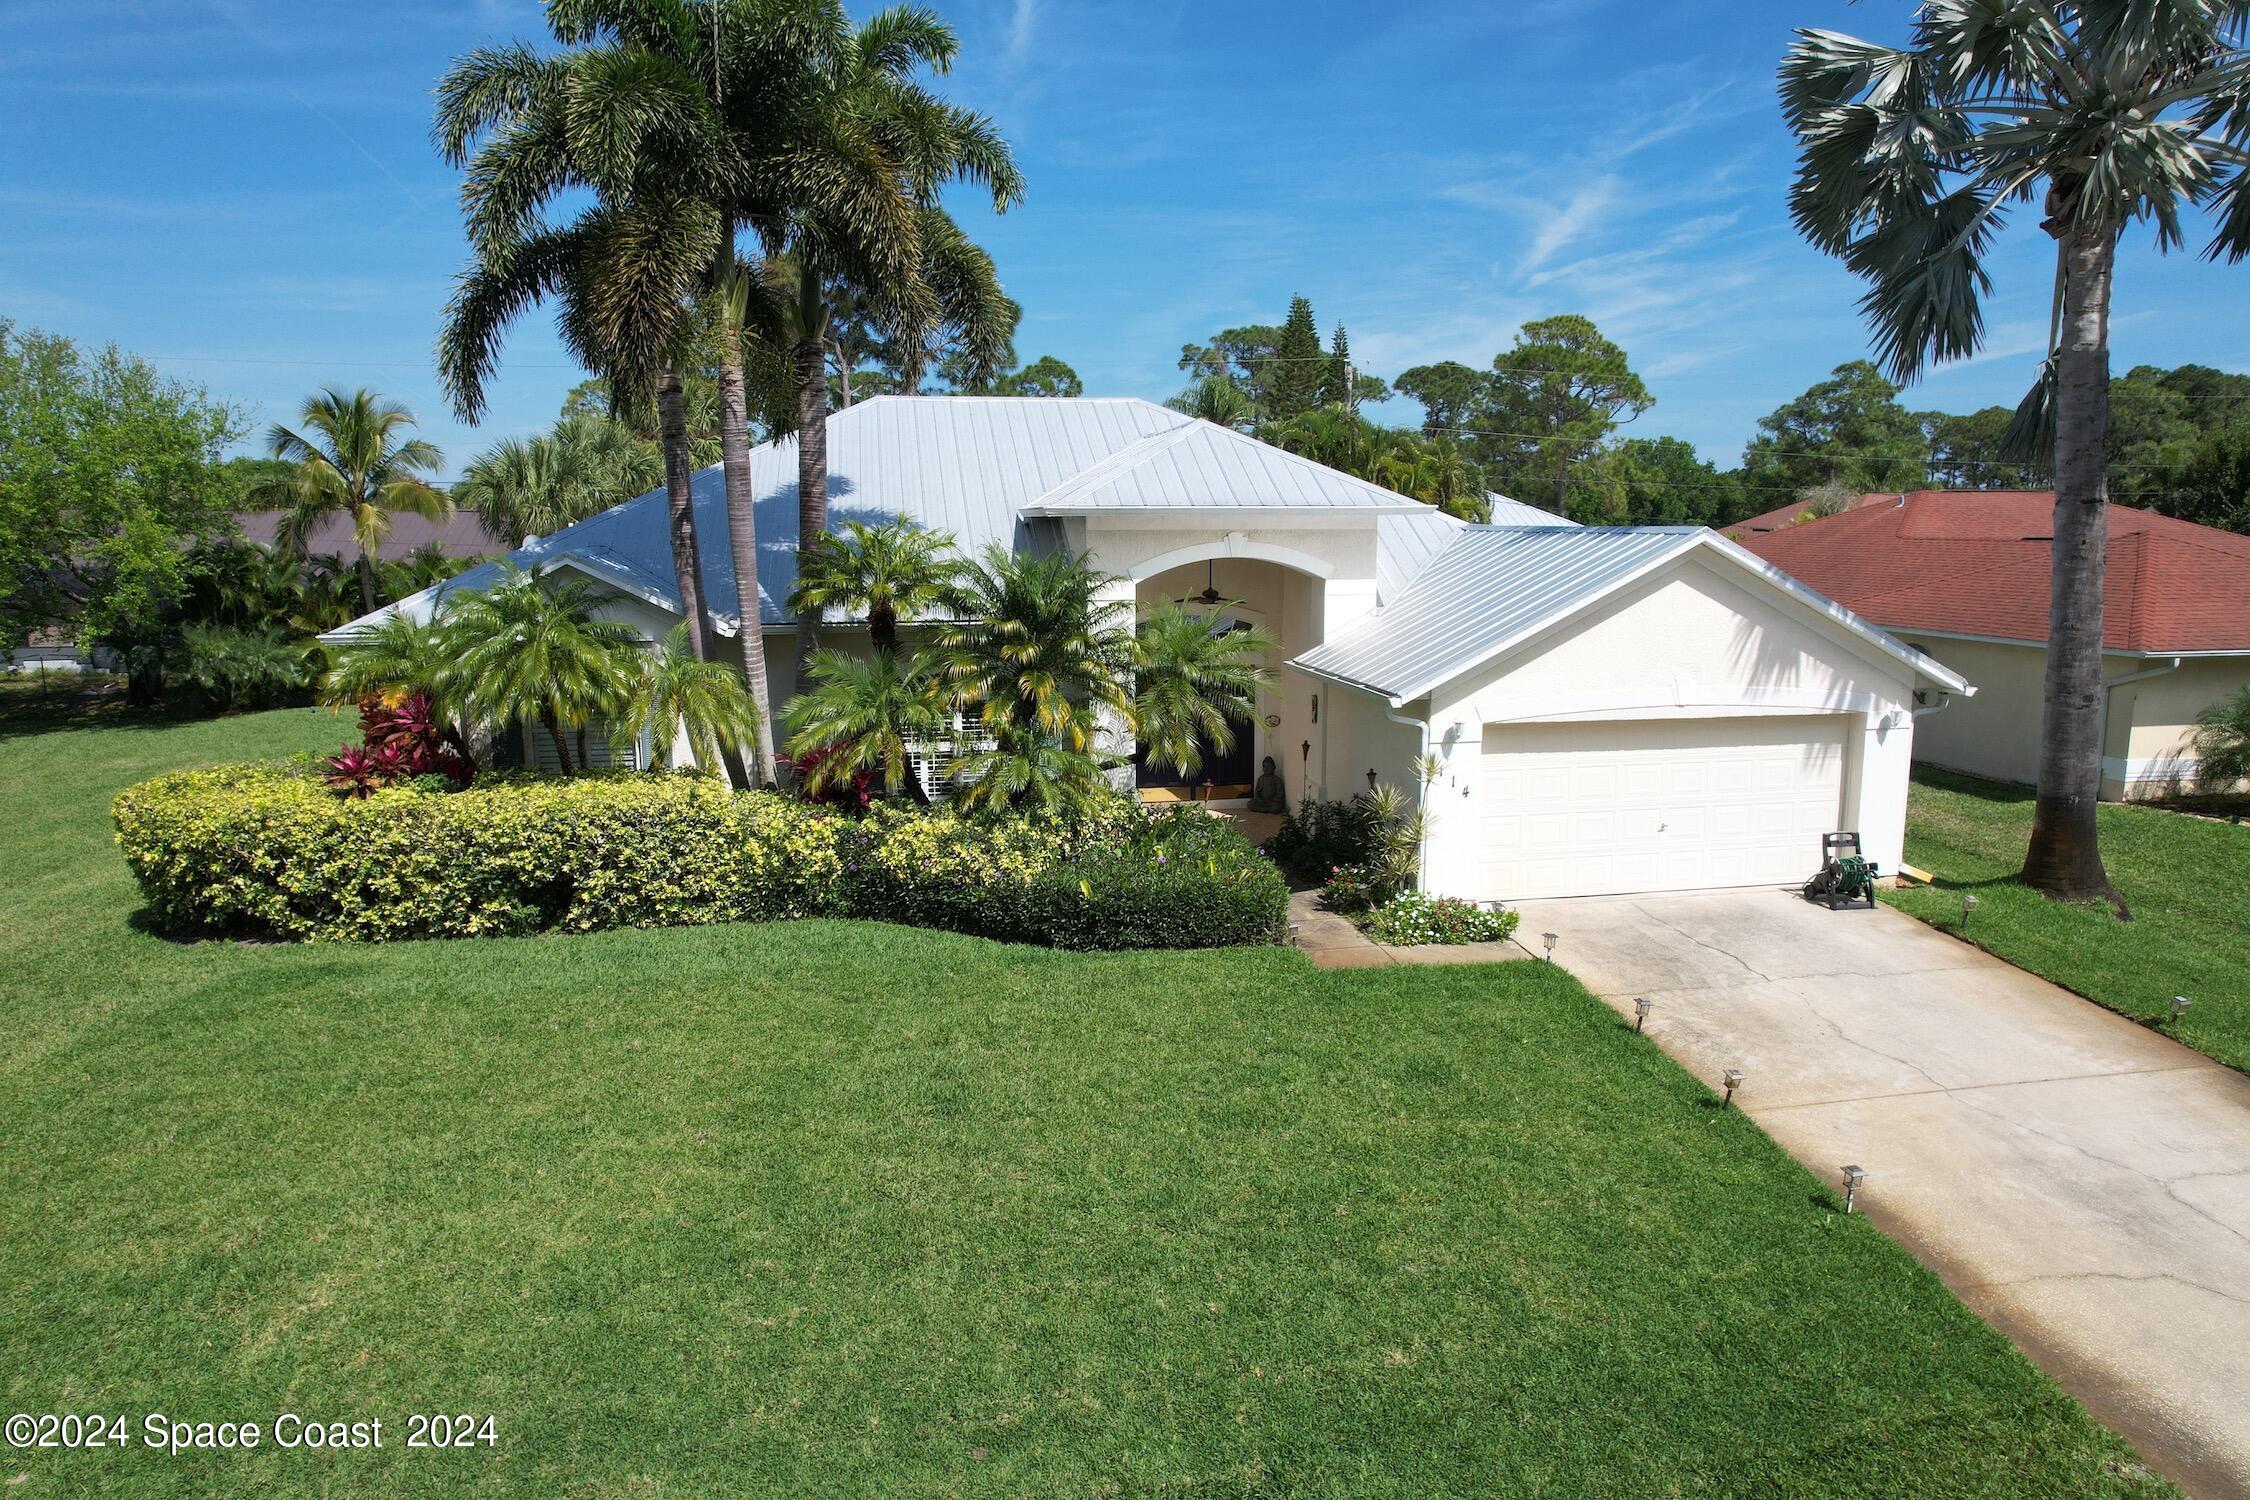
pixel 1613 709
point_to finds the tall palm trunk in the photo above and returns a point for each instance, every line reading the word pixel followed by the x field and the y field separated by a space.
pixel 366 583
pixel 812 483
pixel 679 506
pixel 2065 857
pixel 742 537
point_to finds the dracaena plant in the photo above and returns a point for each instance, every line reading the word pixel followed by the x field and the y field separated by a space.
pixel 2097 117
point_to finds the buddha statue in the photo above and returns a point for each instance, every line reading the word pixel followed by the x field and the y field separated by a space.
pixel 1267 795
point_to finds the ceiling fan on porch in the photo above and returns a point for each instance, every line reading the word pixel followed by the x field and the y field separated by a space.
pixel 1210 597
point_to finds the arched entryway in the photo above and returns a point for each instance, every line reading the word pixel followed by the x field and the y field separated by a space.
pixel 1286 603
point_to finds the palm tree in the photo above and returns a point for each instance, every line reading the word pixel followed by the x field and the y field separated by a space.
pixel 881 571
pixel 2222 743
pixel 1218 399
pixel 353 459
pixel 614 113
pixel 532 648
pixel 729 303
pixel 1039 652
pixel 393 656
pixel 681 697
pixel 523 487
pixel 1197 680
pixel 876 111
pixel 867 714
pixel 1911 158
pixel 1029 772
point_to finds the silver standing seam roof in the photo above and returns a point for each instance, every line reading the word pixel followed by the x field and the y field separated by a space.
pixel 989 470
pixel 1495 586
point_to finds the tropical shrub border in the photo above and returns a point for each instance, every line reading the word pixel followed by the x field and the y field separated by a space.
pixel 269 852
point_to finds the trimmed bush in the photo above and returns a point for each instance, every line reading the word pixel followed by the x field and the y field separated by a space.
pixel 268 851
pixel 271 852
pixel 1411 918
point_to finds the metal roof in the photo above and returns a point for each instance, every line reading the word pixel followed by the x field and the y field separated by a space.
pixel 1507 512
pixel 1495 586
pixel 1199 466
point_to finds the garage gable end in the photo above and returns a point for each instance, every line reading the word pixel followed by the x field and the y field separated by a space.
pixel 1694 635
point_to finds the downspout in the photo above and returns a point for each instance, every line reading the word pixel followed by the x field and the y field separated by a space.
pixel 1421 848
pixel 1944 702
pixel 2101 742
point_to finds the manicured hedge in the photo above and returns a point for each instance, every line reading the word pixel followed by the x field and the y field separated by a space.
pixel 267 851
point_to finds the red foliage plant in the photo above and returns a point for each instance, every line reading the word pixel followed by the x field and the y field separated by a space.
pixel 856 792
pixel 399 741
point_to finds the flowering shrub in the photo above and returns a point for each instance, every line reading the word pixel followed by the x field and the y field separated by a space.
pixel 1411 918
pixel 270 851
pixel 1355 888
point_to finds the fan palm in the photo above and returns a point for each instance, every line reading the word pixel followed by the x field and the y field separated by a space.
pixel 2108 114
pixel 354 459
pixel 523 487
pixel 533 648
pixel 683 699
pixel 882 572
pixel 1038 647
pixel 867 714
pixel 1197 681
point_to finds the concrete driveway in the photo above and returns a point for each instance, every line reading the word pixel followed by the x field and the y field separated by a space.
pixel 2079 1180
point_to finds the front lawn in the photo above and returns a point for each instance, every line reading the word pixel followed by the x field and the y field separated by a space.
pixel 2186 881
pixel 850 1209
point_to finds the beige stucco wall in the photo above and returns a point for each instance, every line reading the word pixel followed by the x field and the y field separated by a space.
pixel 1696 640
pixel 2145 735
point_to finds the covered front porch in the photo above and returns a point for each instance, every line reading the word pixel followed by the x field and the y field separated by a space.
pixel 1287 604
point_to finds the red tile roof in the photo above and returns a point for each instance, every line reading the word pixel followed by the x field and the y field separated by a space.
pixel 1977 563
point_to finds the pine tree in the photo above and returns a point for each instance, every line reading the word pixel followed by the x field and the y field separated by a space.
pixel 1299 367
pixel 1336 375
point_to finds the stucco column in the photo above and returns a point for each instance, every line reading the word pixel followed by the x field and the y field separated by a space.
pixel 1114 737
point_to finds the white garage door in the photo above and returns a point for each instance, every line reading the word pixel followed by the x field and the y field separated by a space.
pixel 1658 805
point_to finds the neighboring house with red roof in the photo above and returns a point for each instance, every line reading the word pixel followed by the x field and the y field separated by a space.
pixel 1963 576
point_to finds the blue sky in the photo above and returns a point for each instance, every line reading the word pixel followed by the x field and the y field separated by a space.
pixel 244 190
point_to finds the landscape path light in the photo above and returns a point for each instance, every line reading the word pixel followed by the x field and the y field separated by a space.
pixel 2180 1004
pixel 1549 939
pixel 1853 1177
pixel 1968 904
pixel 1641 1008
pixel 1732 1078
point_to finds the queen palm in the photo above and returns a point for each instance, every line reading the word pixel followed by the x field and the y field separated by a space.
pixel 683 699
pixel 866 714
pixel 354 459
pixel 1197 681
pixel 882 572
pixel 2106 114
pixel 532 648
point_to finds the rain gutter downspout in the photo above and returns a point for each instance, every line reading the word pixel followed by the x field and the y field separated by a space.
pixel 1422 847
pixel 2101 742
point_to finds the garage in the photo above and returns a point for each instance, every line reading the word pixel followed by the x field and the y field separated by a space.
pixel 1610 807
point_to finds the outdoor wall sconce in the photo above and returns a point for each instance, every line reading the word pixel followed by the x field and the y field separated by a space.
pixel 1641 1008
pixel 1853 1177
pixel 1316 708
pixel 1732 1079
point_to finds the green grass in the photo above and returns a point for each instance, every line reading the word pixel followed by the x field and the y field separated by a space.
pixel 2184 879
pixel 839 1208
